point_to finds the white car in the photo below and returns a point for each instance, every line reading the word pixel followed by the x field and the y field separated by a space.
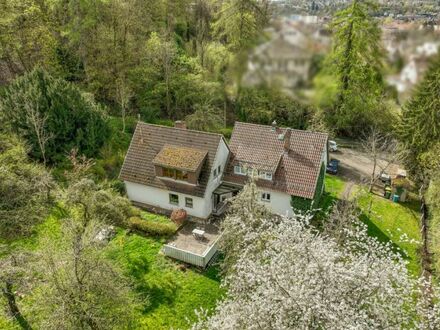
pixel 332 145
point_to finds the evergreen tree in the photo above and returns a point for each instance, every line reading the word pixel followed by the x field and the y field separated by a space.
pixel 71 119
pixel 419 129
pixel 355 64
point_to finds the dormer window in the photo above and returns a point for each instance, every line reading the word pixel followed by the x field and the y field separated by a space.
pixel 265 175
pixel 179 163
pixel 240 170
pixel 174 174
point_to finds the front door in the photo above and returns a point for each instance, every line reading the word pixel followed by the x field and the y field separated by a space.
pixel 216 200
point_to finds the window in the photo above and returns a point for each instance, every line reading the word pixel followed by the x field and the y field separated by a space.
pixel 189 202
pixel 180 175
pixel 174 199
pixel 167 172
pixel 239 170
pixel 265 197
pixel 217 171
pixel 175 174
pixel 265 175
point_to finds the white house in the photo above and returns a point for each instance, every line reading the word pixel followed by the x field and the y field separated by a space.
pixel 170 168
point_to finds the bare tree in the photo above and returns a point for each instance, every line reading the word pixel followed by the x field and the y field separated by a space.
pixel 124 95
pixel 81 166
pixel 83 288
pixel 382 149
pixel 37 121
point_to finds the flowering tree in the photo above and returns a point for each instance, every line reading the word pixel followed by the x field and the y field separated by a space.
pixel 290 276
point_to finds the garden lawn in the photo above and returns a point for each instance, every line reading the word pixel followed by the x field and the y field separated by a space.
pixel 333 189
pixel 171 295
pixel 334 185
pixel 397 223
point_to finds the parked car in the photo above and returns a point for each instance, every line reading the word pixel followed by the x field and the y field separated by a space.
pixel 332 166
pixel 332 145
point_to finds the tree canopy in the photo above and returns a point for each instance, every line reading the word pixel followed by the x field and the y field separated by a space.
pixel 38 106
pixel 352 98
pixel 24 190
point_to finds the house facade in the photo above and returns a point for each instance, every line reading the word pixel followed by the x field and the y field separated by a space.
pixel 169 168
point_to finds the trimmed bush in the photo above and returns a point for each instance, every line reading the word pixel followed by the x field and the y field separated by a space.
pixel 151 227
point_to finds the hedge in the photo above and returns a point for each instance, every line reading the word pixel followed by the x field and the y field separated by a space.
pixel 151 227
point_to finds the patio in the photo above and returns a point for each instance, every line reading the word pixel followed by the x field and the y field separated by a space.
pixel 187 247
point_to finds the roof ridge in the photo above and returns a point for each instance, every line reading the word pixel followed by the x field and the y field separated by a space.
pixel 180 129
pixel 293 129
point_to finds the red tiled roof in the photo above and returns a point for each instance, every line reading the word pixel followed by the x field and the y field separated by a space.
pixel 296 172
pixel 148 140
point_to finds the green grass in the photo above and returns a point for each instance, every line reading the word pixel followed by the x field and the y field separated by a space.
pixel 333 188
pixel 171 295
pixel 334 185
pixel 397 223
pixel 154 217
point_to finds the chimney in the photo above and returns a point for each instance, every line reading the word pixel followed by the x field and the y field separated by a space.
pixel 180 124
pixel 287 135
pixel 274 125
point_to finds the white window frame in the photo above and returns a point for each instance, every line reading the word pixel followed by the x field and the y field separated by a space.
pixel 265 175
pixel 217 171
pixel 240 170
pixel 265 197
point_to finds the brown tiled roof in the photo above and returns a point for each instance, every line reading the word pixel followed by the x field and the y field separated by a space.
pixel 148 140
pixel 296 172
pixel 182 158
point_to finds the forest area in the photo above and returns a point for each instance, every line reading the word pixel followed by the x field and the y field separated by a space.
pixel 77 75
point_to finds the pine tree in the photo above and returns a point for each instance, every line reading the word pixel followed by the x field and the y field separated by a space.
pixel 419 129
pixel 355 64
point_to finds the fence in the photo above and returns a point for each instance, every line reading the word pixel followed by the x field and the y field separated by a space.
pixel 190 257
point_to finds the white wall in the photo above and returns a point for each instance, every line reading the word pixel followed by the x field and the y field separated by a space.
pixel 279 202
pixel 160 198
pixel 220 159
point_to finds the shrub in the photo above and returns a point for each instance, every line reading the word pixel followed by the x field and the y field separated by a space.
pixel 152 227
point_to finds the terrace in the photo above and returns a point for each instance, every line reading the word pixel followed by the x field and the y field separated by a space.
pixel 193 249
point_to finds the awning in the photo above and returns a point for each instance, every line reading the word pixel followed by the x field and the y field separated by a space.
pixel 225 188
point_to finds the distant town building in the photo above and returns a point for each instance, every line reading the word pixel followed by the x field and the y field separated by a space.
pixel 285 60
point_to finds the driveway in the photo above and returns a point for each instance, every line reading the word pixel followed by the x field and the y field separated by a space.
pixel 357 166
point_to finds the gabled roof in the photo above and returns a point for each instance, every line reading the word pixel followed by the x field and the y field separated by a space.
pixel 149 140
pixel 296 172
pixel 181 158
